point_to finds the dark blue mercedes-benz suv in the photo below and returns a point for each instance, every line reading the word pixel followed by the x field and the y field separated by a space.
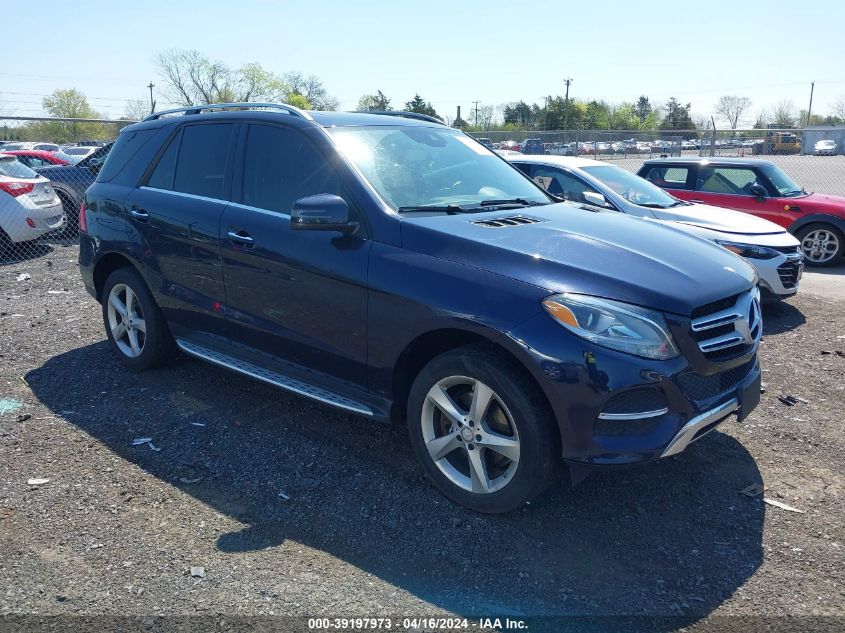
pixel 395 268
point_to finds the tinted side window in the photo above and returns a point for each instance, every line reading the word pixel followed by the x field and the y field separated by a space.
pixel 524 168
pixel 730 180
pixel 125 147
pixel 162 176
pixel 669 177
pixel 281 166
pixel 561 183
pixel 203 158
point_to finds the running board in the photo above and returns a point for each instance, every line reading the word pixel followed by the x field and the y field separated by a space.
pixel 274 378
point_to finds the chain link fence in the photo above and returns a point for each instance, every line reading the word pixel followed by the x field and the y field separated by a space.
pixel 46 164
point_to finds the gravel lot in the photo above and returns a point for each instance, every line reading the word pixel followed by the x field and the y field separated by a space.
pixel 291 508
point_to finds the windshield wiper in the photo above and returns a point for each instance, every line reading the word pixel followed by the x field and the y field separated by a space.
pixel 449 209
pixel 520 201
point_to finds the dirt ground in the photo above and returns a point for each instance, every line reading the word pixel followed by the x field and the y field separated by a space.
pixel 249 501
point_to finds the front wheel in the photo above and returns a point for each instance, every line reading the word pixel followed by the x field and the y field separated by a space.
pixel 822 244
pixel 482 430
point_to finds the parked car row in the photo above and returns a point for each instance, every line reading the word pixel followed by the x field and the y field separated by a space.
pixel 33 183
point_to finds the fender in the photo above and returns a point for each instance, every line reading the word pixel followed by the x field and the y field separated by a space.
pixel 817 218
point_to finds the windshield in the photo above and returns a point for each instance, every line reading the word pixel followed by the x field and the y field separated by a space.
pixel 12 167
pixel 632 187
pixel 412 167
pixel 783 183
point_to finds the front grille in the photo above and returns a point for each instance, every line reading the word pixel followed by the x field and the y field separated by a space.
pixel 714 306
pixel 729 327
pixel 788 273
pixel 703 335
pixel 625 427
pixel 513 220
pixel 698 387
pixel 635 401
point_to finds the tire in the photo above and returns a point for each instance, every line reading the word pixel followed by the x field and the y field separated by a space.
pixel 517 419
pixel 822 244
pixel 71 211
pixel 151 344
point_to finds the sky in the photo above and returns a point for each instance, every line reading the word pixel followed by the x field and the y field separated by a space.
pixel 451 53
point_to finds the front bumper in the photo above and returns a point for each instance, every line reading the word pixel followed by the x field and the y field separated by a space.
pixel 781 275
pixel 615 409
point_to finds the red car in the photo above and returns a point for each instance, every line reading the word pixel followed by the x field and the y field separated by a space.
pixel 34 158
pixel 760 188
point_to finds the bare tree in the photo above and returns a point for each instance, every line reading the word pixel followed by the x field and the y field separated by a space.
pixel 136 109
pixel 190 78
pixel 731 108
pixel 485 117
pixel 312 89
pixel 839 107
pixel 784 113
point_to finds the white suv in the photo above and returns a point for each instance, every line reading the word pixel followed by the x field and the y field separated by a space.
pixel 773 251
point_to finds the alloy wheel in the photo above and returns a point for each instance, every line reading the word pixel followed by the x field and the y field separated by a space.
pixel 126 320
pixel 470 435
pixel 820 246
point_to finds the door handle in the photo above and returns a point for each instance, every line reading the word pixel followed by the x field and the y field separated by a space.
pixel 139 214
pixel 241 237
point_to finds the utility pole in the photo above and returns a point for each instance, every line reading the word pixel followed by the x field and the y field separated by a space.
pixel 151 85
pixel 567 81
pixel 810 108
pixel 476 112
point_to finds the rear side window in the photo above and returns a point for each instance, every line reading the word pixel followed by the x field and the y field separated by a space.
pixel 669 177
pixel 13 168
pixel 281 166
pixel 125 147
pixel 203 158
pixel 162 176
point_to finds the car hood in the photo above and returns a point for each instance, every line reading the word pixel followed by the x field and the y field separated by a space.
pixel 571 249
pixel 732 225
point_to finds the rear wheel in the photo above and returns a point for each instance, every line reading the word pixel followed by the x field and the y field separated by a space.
pixel 134 324
pixel 482 430
pixel 822 244
pixel 71 211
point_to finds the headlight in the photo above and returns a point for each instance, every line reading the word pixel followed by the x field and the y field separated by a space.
pixel 613 324
pixel 749 250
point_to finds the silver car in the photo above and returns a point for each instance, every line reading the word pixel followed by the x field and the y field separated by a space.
pixel 825 147
pixel 29 207
pixel 773 252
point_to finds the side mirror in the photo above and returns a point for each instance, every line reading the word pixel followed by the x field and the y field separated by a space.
pixel 758 191
pixel 595 199
pixel 323 212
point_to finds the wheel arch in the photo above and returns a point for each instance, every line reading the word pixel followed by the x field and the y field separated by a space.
pixel 817 218
pixel 427 346
pixel 105 266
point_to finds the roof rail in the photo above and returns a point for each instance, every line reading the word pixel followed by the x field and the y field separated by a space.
pixel 406 115
pixel 196 109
